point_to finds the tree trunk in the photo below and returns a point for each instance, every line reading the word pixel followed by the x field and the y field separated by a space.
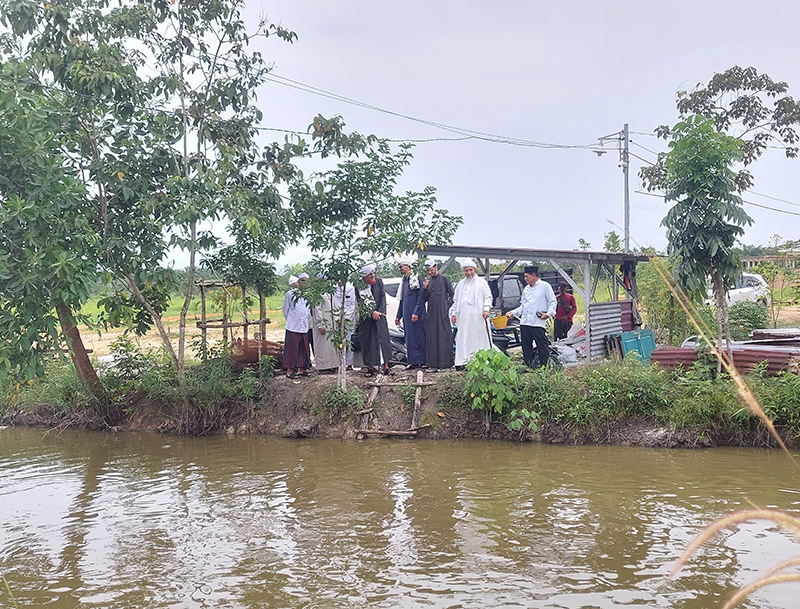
pixel 156 317
pixel 187 301
pixel 80 358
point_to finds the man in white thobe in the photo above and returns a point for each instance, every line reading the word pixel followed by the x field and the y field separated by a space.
pixel 469 313
pixel 296 359
pixel 323 321
pixel 346 298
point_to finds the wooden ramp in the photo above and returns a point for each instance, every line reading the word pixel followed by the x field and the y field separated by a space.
pixel 367 412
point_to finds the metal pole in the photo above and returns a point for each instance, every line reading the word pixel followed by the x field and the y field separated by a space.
pixel 626 140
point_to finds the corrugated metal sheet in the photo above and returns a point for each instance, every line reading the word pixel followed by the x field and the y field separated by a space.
pixel 604 318
pixel 743 359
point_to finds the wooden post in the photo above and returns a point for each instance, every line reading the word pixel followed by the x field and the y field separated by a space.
pixel 417 400
pixel 262 309
pixel 225 316
pixel 244 311
pixel 367 410
pixel 203 330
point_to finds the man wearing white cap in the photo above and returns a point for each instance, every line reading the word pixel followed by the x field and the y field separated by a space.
pixel 469 313
pixel 411 310
pixel 373 331
pixel 296 357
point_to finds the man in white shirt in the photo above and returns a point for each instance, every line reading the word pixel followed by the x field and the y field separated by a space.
pixel 537 305
pixel 471 304
pixel 296 356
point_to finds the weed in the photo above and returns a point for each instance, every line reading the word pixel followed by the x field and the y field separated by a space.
pixel 335 402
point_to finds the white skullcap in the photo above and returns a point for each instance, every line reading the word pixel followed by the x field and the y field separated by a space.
pixel 403 261
pixel 370 268
pixel 303 276
pixel 292 280
pixel 469 262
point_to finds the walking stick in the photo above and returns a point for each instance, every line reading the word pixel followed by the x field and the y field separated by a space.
pixel 488 333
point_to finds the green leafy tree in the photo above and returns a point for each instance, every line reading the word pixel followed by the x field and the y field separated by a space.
pixel 354 215
pixel 740 101
pixel 47 244
pixel 707 215
pixel 161 151
pixel 779 274
pixel 612 242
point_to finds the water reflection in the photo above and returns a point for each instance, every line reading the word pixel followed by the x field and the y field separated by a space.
pixel 97 520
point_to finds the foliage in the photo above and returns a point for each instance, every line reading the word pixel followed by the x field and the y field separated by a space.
pixel 746 316
pixel 492 381
pixel 48 253
pixel 60 387
pixel 336 402
pixel 739 101
pixel 707 216
pixel 612 242
pixel 136 86
pixel 780 275
pixel 661 311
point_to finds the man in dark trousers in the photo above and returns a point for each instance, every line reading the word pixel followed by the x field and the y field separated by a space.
pixel 437 291
pixel 537 305
pixel 373 331
pixel 411 310
pixel 565 311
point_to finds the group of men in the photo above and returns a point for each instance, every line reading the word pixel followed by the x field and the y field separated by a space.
pixel 428 311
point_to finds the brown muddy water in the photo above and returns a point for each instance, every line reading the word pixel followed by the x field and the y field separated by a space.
pixel 129 520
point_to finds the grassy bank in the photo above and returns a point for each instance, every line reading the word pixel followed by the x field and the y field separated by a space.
pixel 604 402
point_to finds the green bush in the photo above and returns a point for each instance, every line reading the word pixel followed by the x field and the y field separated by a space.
pixel 60 387
pixel 492 381
pixel 744 317
pixel 335 402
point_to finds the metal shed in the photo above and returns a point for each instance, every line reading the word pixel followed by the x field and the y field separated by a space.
pixel 621 266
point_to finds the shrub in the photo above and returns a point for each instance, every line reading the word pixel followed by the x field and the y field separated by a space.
pixel 334 402
pixel 744 317
pixel 492 381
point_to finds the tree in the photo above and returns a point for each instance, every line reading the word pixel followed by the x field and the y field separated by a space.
pixel 161 151
pixel 739 100
pixel 707 217
pixel 584 244
pixel 47 245
pixel 612 242
pixel 354 215
pixel 779 275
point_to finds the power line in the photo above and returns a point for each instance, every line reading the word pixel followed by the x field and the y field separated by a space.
pixel 781 211
pixel 758 194
pixel 473 134
pixel 643 148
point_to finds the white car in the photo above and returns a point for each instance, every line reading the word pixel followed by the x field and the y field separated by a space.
pixel 750 287
pixel 391 285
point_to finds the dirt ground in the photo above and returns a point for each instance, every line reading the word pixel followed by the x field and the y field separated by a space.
pixel 100 344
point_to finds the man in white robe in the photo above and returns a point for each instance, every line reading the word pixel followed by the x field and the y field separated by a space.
pixel 346 298
pixel 469 313
pixel 323 321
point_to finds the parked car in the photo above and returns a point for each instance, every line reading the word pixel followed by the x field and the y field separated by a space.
pixel 750 287
pixel 514 283
pixel 391 285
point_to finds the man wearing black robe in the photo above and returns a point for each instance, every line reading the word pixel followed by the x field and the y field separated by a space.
pixel 373 332
pixel 438 292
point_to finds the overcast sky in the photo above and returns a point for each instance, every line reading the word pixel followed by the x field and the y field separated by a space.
pixel 563 72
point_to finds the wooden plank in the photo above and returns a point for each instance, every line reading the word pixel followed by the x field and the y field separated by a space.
pixel 385 432
pixel 423 384
pixel 367 410
pixel 417 400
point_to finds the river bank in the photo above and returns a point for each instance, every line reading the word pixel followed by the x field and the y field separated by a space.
pixel 625 404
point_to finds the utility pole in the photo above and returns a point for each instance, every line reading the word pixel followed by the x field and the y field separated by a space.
pixel 625 159
pixel 623 139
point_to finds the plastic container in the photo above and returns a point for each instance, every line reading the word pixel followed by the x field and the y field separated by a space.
pixel 500 322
